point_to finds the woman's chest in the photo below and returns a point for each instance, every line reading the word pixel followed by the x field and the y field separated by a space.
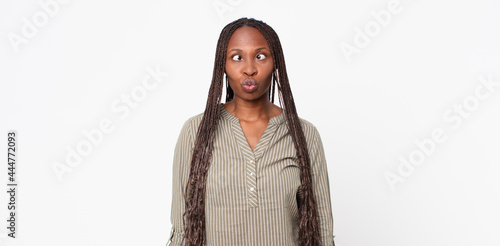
pixel 240 179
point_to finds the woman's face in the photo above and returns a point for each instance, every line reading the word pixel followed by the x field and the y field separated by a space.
pixel 249 64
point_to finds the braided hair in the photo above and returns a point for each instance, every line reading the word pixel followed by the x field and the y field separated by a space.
pixel 194 215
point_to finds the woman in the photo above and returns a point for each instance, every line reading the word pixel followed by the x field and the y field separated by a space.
pixel 248 172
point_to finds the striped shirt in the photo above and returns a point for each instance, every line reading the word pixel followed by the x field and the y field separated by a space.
pixel 251 196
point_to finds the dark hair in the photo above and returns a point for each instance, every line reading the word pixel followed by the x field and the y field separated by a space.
pixel 194 223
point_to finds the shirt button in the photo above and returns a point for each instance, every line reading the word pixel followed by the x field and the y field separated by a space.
pixel 251 173
pixel 251 162
pixel 251 189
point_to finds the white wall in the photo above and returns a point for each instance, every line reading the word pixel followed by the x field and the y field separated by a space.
pixel 403 84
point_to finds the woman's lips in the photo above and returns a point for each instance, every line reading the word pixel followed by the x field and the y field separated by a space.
pixel 249 85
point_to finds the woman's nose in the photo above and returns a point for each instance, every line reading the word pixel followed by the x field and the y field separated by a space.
pixel 250 74
pixel 250 69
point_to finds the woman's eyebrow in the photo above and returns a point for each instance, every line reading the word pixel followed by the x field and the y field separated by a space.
pixel 255 49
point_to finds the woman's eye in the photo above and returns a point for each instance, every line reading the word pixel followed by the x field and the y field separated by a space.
pixel 259 56
pixel 236 57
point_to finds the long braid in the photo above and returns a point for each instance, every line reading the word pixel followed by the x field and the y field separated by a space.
pixel 194 225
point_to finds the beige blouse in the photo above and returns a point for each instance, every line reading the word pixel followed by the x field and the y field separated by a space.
pixel 251 196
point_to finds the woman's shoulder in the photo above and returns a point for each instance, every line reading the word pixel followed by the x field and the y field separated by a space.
pixel 195 119
pixel 307 124
pixel 310 130
pixel 191 123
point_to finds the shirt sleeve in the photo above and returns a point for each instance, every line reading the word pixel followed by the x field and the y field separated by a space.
pixel 181 167
pixel 321 190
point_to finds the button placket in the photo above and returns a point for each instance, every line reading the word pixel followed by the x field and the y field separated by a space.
pixel 252 183
pixel 251 157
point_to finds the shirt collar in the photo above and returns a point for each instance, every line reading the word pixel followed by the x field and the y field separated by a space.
pixel 276 120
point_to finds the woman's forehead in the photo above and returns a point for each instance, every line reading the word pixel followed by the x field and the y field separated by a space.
pixel 247 37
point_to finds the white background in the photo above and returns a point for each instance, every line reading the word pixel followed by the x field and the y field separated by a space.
pixel 398 88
